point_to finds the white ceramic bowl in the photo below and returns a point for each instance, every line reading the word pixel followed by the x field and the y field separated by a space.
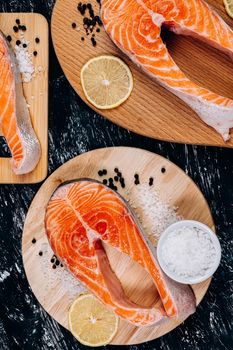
pixel 172 274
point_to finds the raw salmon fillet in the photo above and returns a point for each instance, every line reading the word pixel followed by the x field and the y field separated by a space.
pixel 15 123
pixel 83 214
pixel 135 27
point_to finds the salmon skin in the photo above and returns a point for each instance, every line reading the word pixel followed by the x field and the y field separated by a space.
pixel 79 217
pixel 15 122
pixel 135 27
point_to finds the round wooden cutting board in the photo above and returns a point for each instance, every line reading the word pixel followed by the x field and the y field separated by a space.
pixel 151 110
pixel 55 288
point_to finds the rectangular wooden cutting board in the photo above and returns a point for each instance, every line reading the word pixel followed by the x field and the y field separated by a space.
pixel 36 91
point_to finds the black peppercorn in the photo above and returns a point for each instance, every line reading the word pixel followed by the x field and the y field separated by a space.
pixel 93 41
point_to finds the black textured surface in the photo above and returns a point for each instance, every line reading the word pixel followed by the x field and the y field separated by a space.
pixel 74 128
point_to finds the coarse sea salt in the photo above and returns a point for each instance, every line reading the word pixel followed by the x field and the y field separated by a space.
pixel 156 214
pixel 61 277
pixel 24 59
pixel 188 252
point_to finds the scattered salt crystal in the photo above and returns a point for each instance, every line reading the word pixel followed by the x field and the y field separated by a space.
pixel 59 276
pixel 155 213
pixel 40 69
pixel 188 252
pixel 24 59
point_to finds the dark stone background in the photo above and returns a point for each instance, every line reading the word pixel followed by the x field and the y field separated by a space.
pixel 74 128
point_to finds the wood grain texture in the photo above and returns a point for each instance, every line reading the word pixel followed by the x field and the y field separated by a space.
pixel 151 110
pixel 36 91
pixel 174 186
pixel 74 128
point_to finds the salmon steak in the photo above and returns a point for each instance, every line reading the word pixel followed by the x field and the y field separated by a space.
pixel 15 122
pixel 135 27
pixel 84 214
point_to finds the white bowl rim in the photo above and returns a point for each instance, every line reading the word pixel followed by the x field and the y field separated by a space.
pixel 190 223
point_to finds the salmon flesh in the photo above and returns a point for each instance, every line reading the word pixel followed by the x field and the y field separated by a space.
pixel 15 122
pixel 135 27
pixel 83 214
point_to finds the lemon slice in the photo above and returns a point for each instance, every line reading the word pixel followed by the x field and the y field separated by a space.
pixel 229 7
pixel 107 81
pixel 90 322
